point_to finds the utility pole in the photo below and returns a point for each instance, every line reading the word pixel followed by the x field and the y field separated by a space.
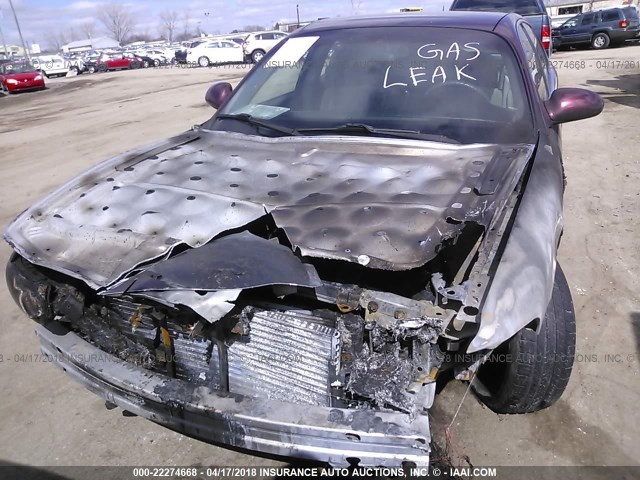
pixel 15 17
pixel 298 14
pixel 4 44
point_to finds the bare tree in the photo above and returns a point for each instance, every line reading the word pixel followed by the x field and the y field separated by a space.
pixel 73 35
pixel 355 6
pixel 140 37
pixel 168 23
pixel 88 29
pixel 117 20
pixel 56 39
pixel 253 28
pixel 186 26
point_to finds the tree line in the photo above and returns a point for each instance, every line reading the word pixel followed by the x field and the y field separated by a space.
pixel 119 22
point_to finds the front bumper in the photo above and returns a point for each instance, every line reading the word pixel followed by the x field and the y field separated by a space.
pixel 333 435
pixel 26 86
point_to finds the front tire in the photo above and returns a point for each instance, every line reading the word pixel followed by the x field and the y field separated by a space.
pixel 204 62
pixel 539 364
pixel 102 68
pixel 600 41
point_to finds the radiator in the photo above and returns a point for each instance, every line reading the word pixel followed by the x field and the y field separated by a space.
pixel 288 355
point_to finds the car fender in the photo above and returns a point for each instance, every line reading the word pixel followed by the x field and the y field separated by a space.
pixel 523 281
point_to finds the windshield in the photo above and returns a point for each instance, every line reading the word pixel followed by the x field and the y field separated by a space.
pixel 460 84
pixel 9 68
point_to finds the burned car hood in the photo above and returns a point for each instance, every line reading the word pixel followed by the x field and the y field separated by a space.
pixel 383 203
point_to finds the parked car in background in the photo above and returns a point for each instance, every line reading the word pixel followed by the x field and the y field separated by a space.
pixel 533 10
pixel 600 29
pixel 256 44
pixel 91 63
pixel 146 61
pixel 76 65
pixel 158 57
pixel 117 61
pixel 20 77
pixel 294 275
pixel 215 52
pixel 181 54
pixel 51 65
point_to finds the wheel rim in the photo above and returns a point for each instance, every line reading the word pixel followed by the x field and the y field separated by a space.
pixel 203 62
pixel 599 41
pixel 258 56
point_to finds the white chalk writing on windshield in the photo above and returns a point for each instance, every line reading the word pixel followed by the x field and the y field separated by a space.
pixel 439 72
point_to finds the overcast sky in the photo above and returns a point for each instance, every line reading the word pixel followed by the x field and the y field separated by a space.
pixel 40 17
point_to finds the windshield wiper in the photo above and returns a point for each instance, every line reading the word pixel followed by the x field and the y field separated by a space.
pixel 362 128
pixel 246 118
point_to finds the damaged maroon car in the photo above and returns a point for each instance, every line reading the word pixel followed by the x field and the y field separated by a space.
pixel 379 202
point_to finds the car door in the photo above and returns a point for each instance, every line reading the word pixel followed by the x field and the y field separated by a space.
pixel 117 61
pixel 232 51
pixel 585 28
pixel 109 61
pixel 569 30
pixel 212 51
pixel 222 52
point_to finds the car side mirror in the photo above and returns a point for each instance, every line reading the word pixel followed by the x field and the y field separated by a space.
pixel 571 104
pixel 218 94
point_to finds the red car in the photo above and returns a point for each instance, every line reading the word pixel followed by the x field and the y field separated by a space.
pixel 117 62
pixel 18 77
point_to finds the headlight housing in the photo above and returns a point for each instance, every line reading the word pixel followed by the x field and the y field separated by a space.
pixel 12 81
pixel 38 77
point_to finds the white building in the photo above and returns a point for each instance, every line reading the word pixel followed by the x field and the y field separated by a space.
pixel 99 43
pixel 12 51
pixel 572 7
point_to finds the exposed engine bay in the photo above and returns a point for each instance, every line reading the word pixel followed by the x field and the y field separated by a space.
pixel 210 317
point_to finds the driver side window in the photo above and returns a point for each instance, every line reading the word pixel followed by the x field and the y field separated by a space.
pixel 536 62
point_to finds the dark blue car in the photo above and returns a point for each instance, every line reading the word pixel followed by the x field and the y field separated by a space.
pixel 600 29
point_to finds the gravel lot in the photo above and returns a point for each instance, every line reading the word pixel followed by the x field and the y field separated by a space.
pixel 50 136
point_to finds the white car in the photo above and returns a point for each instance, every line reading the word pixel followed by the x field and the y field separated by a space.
pixel 51 65
pixel 158 56
pixel 259 43
pixel 215 51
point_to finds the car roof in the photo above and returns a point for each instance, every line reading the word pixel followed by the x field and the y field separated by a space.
pixel 471 20
pixel 266 31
